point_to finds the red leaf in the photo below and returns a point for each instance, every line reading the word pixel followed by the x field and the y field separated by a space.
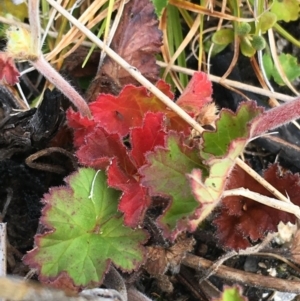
pixel 9 73
pixel 197 93
pixel 242 221
pixel 144 139
pixel 135 199
pixel 81 125
pixel 117 114
pixel 99 148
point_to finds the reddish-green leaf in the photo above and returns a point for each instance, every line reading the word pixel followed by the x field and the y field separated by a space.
pixel 165 175
pixel 99 148
pixel 85 232
pixel 230 126
pixel 221 148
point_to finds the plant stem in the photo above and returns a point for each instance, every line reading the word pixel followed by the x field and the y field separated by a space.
pixel 276 117
pixel 44 67
pixel 231 83
pixel 35 27
pixel 286 35
pixel 266 282
pixel 59 82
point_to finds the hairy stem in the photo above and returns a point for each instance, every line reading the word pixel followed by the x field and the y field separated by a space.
pixel 276 117
pixel 59 82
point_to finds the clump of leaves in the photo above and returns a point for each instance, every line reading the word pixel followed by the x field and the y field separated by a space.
pixel 146 154
pixel 146 124
pixel 86 212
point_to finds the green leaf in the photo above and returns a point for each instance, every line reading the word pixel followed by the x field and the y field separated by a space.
pixel 221 149
pixel 286 10
pixel 166 175
pixel 86 232
pixel 208 192
pixel 268 65
pixel 243 29
pixel 229 127
pixel 159 5
pixel 7 7
pixel 232 294
pixel 246 48
pixel 266 21
pixel 290 67
pixel 216 48
pixel 258 42
pixel 223 37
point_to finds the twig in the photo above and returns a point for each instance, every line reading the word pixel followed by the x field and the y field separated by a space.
pixel 130 69
pixel 30 161
pixel 248 251
pixel 3 249
pixel 35 27
pixel 287 207
pixel 231 83
pixel 242 277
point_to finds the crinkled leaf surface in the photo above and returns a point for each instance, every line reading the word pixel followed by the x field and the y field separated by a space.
pixel 137 40
pixel 86 232
pixel 117 114
pixel 135 199
pixel 99 148
pixel 208 192
pixel 241 220
pixel 165 174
